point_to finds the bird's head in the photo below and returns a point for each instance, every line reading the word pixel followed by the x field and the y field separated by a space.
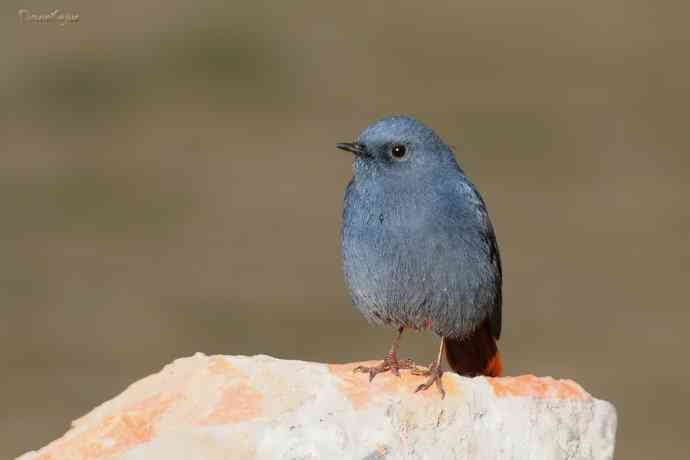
pixel 399 145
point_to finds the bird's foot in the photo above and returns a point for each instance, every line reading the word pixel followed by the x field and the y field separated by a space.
pixel 390 363
pixel 435 374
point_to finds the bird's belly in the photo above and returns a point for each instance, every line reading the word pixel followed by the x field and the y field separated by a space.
pixel 397 277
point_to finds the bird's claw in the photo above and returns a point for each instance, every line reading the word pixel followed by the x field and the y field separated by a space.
pixel 435 374
pixel 425 371
pixel 390 363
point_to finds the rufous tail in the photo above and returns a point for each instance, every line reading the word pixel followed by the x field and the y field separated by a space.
pixel 474 355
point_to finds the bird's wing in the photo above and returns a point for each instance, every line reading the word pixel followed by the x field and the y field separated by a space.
pixel 490 245
pixel 495 318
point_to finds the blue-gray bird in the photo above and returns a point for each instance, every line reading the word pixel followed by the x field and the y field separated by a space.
pixel 419 250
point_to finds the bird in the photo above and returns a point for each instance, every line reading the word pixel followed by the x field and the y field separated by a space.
pixel 419 251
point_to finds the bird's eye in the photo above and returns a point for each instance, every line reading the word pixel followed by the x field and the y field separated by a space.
pixel 398 151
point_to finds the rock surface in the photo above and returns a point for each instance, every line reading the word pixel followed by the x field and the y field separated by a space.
pixel 237 407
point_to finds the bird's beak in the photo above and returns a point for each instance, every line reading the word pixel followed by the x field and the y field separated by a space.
pixel 353 147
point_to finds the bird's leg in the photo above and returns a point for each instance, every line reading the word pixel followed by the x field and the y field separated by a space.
pixel 434 372
pixel 390 362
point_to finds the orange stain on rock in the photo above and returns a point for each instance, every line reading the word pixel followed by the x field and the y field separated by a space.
pixel 113 434
pixel 238 403
pixel 353 385
pixel 359 390
pixel 219 365
pixel 538 387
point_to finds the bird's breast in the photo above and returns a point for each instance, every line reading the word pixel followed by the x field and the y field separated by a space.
pixel 392 250
pixel 414 260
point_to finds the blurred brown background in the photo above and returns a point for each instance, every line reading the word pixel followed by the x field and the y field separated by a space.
pixel 169 184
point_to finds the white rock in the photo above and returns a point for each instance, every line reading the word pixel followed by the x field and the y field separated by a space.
pixel 236 407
